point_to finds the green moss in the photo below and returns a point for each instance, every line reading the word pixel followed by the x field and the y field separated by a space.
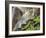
pixel 33 24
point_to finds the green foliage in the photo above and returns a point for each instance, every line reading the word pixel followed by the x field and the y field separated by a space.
pixel 32 24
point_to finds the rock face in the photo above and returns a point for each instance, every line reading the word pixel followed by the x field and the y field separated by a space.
pixel 22 15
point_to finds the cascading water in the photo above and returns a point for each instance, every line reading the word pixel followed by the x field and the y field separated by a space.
pixel 25 17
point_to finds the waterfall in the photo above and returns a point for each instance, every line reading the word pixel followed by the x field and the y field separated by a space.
pixel 25 17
